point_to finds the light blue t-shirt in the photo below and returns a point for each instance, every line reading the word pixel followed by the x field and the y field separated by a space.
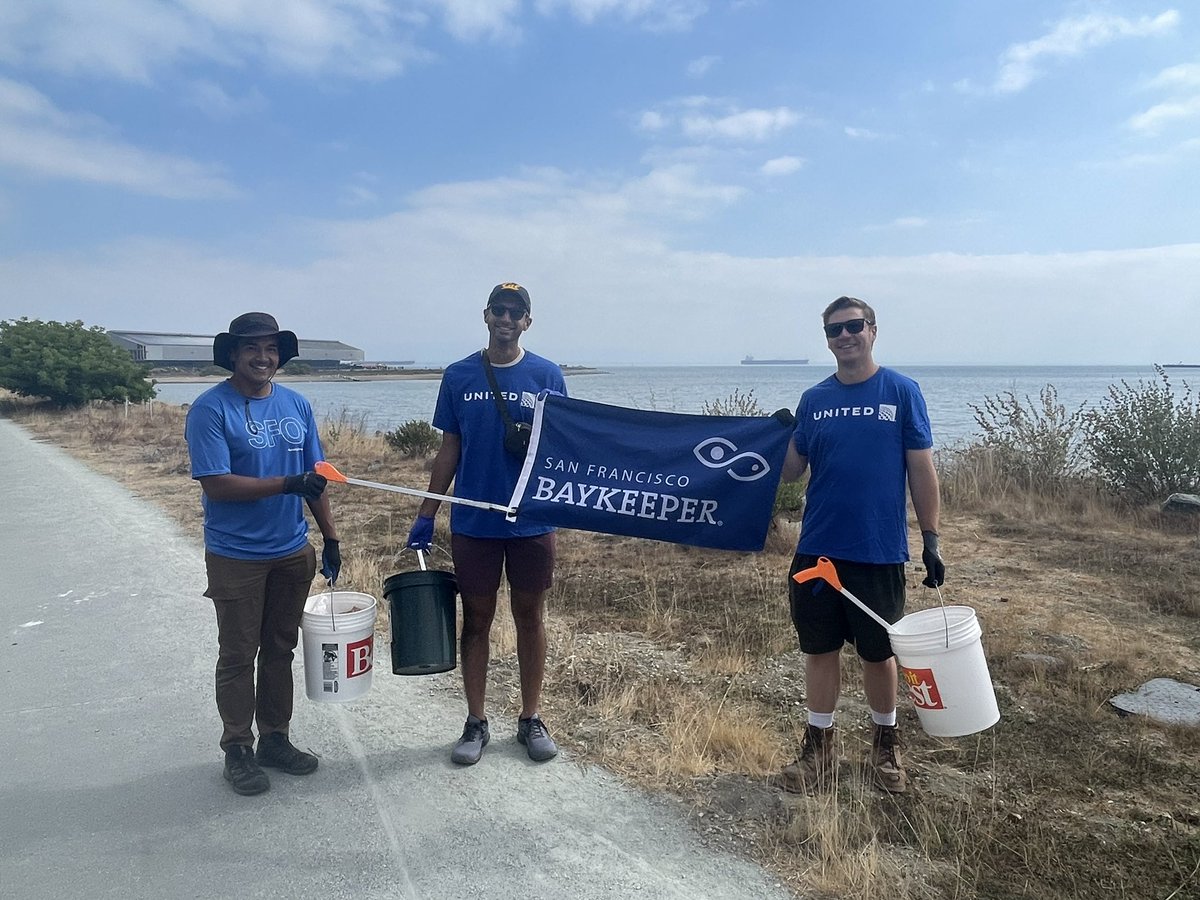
pixel 855 437
pixel 264 437
pixel 486 471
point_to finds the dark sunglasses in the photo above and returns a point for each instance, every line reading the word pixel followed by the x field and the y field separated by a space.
pixel 854 326
pixel 515 313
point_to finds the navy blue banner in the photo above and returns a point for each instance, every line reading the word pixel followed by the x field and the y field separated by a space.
pixel 708 481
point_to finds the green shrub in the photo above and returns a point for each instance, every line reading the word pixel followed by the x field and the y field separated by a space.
pixel 415 437
pixel 1144 441
pixel 68 364
pixel 736 404
pixel 789 499
pixel 1038 445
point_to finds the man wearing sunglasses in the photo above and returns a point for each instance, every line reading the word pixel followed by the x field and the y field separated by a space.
pixel 864 434
pixel 478 457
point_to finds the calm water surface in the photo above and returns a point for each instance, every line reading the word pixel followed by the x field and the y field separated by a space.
pixel 949 390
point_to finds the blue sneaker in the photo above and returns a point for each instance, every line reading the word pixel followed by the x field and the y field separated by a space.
pixel 532 732
pixel 470 746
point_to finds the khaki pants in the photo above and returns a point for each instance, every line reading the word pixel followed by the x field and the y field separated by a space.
pixel 259 604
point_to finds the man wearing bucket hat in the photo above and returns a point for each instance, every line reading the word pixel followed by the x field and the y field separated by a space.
pixel 864 434
pixel 253 445
pixel 482 454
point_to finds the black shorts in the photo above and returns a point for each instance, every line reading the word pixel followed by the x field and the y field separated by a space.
pixel 826 619
pixel 527 561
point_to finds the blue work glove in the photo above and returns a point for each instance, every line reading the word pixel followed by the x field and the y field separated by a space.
pixel 331 560
pixel 308 485
pixel 935 569
pixel 421 535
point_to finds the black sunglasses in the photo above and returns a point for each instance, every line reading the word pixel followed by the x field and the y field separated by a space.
pixel 515 313
pixel 854 326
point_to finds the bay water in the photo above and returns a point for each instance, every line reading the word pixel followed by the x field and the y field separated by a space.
pixel 949 390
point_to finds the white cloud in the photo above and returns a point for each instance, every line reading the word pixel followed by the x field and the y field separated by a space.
pixel 782 165
pixel 215 102
pixel 1184 75
pixel 38 138
pixel 1153 119
pixel 862 134
pixel 658 15
pixel 651 120
pixel 698 68
pixel 473 19
pixel 1179 153
pixel 745 125
pixel 132 39
pixel 1019 64
pixel 590 252
pixel 1184 82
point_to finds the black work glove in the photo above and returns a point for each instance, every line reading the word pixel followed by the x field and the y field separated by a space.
pixel 308 485
pixel 331 559
pixel 784 417
pixel 935 569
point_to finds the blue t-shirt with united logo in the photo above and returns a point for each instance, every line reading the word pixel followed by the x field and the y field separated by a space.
pixel 855 437
pixel 486 471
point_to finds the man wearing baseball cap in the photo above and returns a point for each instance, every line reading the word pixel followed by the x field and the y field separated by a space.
pixel 253 445
pixel 482 403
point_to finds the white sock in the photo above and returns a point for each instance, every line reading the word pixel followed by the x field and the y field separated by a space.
pixel 884 718
pixel 820 720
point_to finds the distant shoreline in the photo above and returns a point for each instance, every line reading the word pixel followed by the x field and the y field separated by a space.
pixel 341 375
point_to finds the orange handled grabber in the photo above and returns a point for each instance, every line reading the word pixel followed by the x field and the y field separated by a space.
pixel 330 472
pixel 825 569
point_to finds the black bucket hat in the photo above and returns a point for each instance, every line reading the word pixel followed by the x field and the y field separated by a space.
pixel 250 325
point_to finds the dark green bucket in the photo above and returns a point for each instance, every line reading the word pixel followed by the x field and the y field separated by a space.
pixel 423 620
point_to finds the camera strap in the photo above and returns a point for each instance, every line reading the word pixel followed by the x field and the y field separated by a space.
pixel 501 406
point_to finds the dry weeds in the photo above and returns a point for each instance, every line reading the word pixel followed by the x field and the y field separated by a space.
pixel 676 668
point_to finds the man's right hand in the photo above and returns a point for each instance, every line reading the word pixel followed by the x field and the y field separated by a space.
pixel 421 535
pixel 308 485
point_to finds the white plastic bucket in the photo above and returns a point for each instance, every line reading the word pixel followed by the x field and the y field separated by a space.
pixel 339 646
pixel 943 667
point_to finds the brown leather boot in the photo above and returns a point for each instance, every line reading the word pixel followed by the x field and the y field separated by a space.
pixel 886 769
pixel 816 764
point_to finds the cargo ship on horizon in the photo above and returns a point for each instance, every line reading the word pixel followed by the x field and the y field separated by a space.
pixel 751 361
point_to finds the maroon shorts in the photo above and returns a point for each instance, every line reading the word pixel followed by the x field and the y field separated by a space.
pixel 528 562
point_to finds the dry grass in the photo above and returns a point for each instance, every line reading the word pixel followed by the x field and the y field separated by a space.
pixel 676 668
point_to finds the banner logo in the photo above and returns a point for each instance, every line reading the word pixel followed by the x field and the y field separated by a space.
pixel 714 454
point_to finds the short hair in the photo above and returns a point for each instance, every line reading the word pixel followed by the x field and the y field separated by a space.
pixel 848 303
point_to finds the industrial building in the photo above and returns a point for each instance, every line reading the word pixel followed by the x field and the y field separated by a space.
pixel 195 350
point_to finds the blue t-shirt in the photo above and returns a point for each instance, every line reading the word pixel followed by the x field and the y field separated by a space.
pixel 486 471
pixel 855 437
pixel 263 437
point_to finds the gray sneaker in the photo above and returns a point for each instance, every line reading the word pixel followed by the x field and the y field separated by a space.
pixel 534 735
pixel 470 746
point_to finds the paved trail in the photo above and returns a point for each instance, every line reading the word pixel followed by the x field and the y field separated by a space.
pixel 112 786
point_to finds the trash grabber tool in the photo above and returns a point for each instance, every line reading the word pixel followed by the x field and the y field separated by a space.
pixel 330 472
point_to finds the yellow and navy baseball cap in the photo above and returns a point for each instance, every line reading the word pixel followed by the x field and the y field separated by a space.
pixel 510 290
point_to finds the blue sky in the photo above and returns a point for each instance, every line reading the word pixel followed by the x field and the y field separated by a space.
pixel 675 181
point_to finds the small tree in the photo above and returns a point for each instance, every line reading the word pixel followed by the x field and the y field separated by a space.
pixel 68 364
pixel 1144 440
pixel 415 437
